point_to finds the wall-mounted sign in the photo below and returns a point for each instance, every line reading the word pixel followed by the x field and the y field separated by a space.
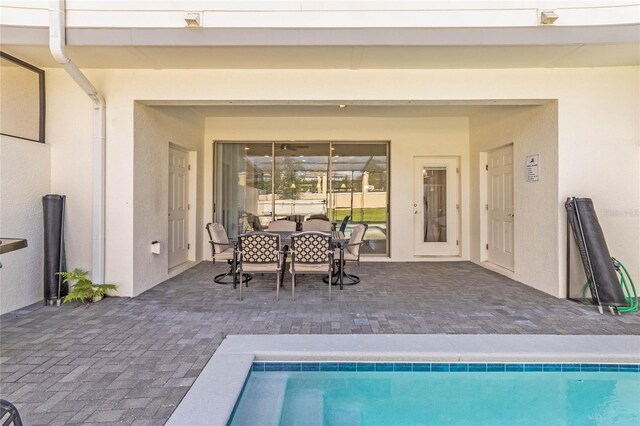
pixel 532 168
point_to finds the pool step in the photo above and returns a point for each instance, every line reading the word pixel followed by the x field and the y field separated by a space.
pixel 343 414
pixel 265 397
pixel 304 407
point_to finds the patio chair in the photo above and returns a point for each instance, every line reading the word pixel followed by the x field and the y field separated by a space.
pixel 318 225
pixel 259 252
pixel 222 249
pixel 350 253
pixel 9 414
pixel 311 253
pixel 319 216
pixel 282 225
pixel 343 225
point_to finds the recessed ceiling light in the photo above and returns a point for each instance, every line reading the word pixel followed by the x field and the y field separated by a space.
pixel 246 148
pixel 342 106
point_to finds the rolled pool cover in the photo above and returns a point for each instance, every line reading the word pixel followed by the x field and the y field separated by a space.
pixel 54 252
pixel 602 277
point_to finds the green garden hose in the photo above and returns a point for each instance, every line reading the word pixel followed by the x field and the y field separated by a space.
pixel 628 289
pixel 630 294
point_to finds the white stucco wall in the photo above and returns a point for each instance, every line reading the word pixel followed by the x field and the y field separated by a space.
pixel 408 137
pixel 597 120
pixel 68 132
pixel 531 130
pixel 155 127
pixel 25 176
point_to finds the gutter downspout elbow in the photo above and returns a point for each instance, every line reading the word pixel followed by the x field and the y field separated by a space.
pixel 57 46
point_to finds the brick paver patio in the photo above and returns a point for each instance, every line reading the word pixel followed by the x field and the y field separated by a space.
pixel 131 361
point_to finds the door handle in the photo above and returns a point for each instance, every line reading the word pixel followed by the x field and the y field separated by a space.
pixel 511 215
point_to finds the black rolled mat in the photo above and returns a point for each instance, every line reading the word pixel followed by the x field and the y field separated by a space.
pixel 602 277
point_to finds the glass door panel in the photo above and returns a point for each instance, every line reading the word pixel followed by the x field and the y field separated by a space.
pixel 359 190
pixel 435 206
pixel 243 186
pixel 434 194
pixel 301 180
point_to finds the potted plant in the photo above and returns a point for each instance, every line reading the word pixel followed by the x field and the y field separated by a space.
pixel 82 289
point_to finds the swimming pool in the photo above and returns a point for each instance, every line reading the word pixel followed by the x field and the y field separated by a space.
pixel 215 394
pixel 328 393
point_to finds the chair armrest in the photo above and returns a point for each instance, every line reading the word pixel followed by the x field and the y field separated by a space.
pixel 221 244
pixel 352 244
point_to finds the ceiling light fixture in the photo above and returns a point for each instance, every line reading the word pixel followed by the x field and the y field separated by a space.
pixel 193 19
pixel 548 17
pixel 342 106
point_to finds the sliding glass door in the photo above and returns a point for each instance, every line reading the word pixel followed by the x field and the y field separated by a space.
pixel 359 190
pixel 258 182
pixel 301 180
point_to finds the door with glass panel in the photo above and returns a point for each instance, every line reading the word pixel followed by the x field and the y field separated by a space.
pixel 435 206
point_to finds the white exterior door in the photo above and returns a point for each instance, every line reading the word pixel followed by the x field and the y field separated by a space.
pixel 435 206
pixel 178 207
pixel 500 206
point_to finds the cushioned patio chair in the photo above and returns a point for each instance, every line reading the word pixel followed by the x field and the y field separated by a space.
pixel 311 253
pixel 222 249
pixel 282 225
pixel 350 253
pixel 259 252
pixel 318 225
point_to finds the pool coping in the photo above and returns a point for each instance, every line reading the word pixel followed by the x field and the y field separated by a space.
pixel 213 395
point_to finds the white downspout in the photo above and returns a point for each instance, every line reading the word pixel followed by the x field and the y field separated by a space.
pixel 57 43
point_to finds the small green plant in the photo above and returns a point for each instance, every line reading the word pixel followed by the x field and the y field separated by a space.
pixel 81 287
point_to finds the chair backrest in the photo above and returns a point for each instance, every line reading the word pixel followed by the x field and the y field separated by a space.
pixel 357 236
pixel 343 225
pixel 316 225
pixel 282 225
pixel 310 248
pixel 254 222
pixel 319 216
pixel 217 235
pixel 259 247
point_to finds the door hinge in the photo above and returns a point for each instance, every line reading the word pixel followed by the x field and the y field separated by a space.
pixel 457 243
pixel 486 207
pixel 188 206
pixel 189 167
pixel 457 206
pixel 188 246
pixel 457 170
pixel 487 246
pixel 486 167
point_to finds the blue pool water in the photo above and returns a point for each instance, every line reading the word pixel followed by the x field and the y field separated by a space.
pixel 439 394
